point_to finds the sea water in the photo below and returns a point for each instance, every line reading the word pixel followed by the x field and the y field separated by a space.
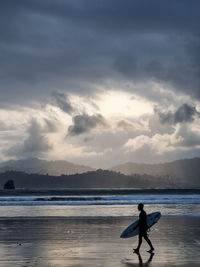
pixel 98 205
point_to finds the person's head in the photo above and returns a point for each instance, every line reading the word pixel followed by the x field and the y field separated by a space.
pixel 140 206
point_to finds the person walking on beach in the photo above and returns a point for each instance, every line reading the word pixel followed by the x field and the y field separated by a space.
pixel 143 230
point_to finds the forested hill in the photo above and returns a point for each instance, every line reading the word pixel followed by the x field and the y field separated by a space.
pixel 181 173
pixel 92 179
pixel 184 171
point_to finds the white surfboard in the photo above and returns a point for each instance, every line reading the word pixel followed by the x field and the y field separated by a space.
pixel 133 229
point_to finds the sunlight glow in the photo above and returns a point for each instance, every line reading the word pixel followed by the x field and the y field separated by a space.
pixel 120 103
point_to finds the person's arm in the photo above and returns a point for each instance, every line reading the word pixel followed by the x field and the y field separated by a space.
pixel 139 222
pixel 142 220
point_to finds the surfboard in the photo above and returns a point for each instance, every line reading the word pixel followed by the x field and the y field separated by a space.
pixel 133 228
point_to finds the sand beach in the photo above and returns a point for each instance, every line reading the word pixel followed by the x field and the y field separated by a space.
pixel 96 242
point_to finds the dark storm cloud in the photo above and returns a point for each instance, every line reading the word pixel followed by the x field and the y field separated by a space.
pixel 84 123
pixel 189 137
pixel 63 102
pixel 6 127
pixel 125 125
pixel 184 113
pixel 50 126
pixel 129 126
pixel 36 142
pixel 75 45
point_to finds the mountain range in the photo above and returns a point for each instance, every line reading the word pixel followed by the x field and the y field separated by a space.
pixel 183 173
pixel 35 165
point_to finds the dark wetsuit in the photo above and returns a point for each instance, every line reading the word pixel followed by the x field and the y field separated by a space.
pixel 143 231
pixel 143 222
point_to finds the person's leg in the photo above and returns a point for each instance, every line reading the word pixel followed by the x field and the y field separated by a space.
pixel 148 241
pixel 139 243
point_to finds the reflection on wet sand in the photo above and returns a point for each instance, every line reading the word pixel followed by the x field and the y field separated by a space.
pixel 96 242
pixel 141 263
pixel 147 262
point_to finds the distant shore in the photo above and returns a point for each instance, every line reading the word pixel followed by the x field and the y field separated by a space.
pixel 95 191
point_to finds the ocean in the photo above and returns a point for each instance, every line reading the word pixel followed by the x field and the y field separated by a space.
pixel 45 228
pixel 99 206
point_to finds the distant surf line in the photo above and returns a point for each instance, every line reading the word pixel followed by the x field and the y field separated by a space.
pixel 100 198
pixel 45 203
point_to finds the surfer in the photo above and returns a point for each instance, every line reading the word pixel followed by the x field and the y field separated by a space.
pixel 143 230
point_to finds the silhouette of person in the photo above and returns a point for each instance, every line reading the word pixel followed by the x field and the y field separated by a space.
pixel 143 230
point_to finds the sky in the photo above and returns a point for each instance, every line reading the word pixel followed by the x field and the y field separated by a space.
pixel 100 82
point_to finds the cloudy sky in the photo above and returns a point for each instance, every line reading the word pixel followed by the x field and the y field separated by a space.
pixel 100 82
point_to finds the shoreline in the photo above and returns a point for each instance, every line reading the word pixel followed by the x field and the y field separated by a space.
pixel 95 191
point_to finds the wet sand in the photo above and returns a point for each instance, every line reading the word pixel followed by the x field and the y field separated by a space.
pixel 96 242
